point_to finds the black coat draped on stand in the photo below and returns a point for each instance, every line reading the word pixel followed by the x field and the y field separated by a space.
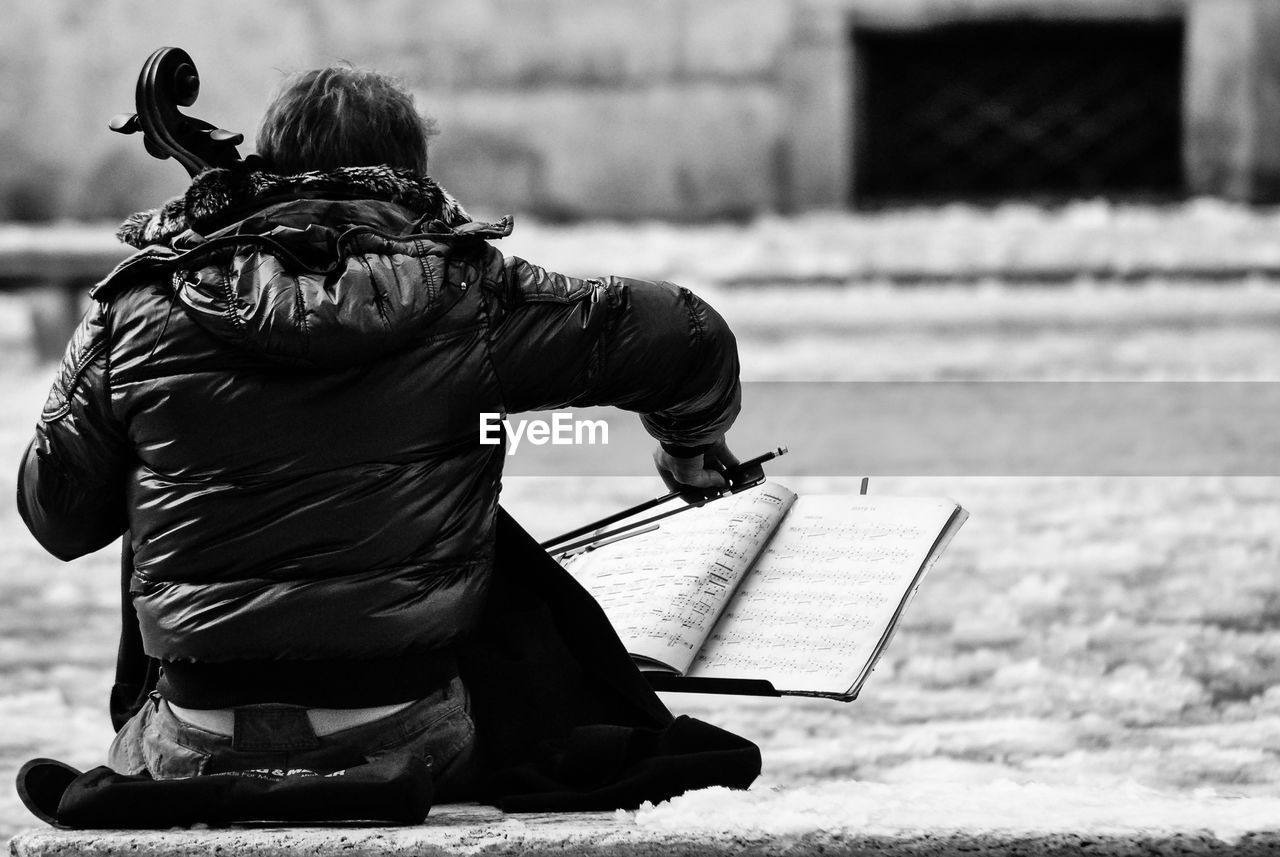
pixel 564 719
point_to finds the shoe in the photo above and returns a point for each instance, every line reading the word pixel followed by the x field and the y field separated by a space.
pixel 41 783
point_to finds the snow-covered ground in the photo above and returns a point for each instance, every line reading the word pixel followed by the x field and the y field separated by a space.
pixel 860 808
pixel 1112 633
pixel 955 242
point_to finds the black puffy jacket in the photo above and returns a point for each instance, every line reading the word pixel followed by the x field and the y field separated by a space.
pixel 279 399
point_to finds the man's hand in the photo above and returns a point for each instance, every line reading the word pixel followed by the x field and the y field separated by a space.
pixel 700 472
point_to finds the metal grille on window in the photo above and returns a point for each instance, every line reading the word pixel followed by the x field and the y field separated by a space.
pixel 1019 109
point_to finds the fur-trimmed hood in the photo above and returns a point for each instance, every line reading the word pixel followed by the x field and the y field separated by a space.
pixel 217 196
pixel 317 269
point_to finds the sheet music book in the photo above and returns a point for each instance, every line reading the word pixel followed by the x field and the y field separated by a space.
pixel 798 595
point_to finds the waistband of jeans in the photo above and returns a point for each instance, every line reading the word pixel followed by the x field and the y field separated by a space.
pixel 314 684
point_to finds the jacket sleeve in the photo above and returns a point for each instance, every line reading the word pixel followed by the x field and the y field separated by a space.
pixel 653 348
pixel 71 478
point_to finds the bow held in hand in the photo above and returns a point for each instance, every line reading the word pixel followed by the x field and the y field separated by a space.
pixel 712 474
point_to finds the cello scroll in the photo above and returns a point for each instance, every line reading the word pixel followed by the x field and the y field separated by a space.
pixel 169 80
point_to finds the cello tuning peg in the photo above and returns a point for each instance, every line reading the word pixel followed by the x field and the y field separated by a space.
pixel 222 135
pixel 124 123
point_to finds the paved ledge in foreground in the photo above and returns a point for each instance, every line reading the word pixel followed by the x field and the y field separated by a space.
pixel 481 830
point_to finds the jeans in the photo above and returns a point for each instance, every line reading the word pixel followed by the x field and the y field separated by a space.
pixel 438 728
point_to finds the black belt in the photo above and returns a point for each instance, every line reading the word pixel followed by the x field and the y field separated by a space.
pixel 315 684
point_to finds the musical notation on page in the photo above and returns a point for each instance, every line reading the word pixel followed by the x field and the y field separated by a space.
pixel 796 594
pixel 821 594
pixel 691 566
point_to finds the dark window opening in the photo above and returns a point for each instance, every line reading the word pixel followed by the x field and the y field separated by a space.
pixel 1019 109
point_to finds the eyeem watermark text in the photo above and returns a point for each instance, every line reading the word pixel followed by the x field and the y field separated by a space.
pixel 562 430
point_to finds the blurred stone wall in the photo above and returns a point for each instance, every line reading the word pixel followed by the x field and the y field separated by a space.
pixel 565 108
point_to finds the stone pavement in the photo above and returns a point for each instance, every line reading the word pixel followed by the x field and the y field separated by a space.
pixel 467 830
